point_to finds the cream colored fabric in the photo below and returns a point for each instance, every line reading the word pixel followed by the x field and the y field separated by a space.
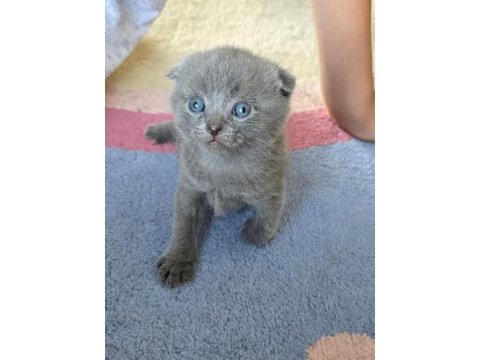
pixel 282 30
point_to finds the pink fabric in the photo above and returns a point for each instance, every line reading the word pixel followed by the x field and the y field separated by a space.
pixel 313 128
pixel 124 129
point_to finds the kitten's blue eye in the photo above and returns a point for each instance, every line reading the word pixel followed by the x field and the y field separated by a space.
pixel 197 105
pixel 241 109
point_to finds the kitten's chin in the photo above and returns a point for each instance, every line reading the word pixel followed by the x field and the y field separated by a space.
pixel 216 146
pixel 219 147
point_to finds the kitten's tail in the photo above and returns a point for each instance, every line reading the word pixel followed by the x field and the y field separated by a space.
pixel 161 132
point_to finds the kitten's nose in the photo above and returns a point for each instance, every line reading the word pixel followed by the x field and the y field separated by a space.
pixel 214 130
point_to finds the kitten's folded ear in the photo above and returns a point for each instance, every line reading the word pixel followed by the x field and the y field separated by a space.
pixel 173 73
pixel 176 70
pixel 287 82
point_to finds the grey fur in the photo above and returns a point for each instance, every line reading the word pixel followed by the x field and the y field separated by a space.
pixel 162 132
pixel 247 167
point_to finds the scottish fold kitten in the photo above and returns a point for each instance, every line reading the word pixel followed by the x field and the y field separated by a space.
pixel 230 107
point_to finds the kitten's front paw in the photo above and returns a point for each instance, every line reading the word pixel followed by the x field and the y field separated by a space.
pixel 174 269
pixel 256 233
pixel 152 132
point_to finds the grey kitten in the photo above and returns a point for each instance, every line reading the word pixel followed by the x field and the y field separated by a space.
pixel 230 107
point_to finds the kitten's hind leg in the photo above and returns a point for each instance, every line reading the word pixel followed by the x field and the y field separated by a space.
pixel 161 132
pixel 260 229
pixel 193 215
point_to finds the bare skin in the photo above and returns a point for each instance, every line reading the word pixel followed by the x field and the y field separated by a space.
pixel 345 53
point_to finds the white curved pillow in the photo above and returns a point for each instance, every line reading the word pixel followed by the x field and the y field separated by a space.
pixel 125 23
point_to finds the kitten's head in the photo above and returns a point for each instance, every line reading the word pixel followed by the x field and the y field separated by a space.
pixel 226 99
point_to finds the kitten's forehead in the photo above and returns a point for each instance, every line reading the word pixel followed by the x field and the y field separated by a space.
pixel 229 71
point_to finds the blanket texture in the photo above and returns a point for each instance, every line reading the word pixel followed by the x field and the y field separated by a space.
pixel 315 279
